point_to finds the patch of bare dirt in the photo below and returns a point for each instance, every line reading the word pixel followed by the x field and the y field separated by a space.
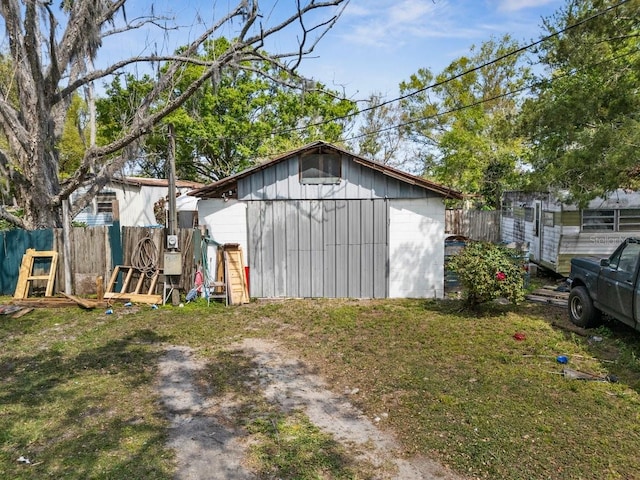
pixel 208 447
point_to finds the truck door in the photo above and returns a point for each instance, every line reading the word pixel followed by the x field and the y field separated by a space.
pixel 617 281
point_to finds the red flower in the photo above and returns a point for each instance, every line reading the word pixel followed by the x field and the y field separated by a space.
pixel 501 276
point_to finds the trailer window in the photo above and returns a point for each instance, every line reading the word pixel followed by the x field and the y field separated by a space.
pixel 594 220
pixel 629 219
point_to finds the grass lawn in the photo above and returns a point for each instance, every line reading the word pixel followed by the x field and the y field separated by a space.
pixel 78 388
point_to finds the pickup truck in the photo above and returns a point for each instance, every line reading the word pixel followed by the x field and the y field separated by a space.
pixel 606 286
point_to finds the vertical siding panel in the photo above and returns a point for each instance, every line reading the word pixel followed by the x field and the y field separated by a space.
pixel 268 262
pixel 293 248
pixel 342 248
pixel 254 220
pixel 304 266
pixel 282 180
pixel 329 235
pixel 367 183
pixel 280 230
pixel 317 249
pixel 380 250
pixel 293 178
pixel 366 249
pixel 353 264
pixel 352 174
pixel 269 183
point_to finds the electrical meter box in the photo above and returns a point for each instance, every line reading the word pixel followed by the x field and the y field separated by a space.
pixel 172 241
pixel 172 263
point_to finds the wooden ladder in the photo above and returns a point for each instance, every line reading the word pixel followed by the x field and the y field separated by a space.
pixel 26 275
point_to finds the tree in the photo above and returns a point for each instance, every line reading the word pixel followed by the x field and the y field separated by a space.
pixel 379 136
pixel 73 142
pixel 52 52
pixel 583 119
pixel 463 120
pixel 229 122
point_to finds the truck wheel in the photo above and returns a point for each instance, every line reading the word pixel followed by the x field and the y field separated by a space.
pixel 581 310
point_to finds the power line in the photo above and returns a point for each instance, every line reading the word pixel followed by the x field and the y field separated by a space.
pixel 455 77
pixel 487 100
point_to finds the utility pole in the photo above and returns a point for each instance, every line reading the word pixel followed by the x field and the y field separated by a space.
pixel 172 256
pixel 172 222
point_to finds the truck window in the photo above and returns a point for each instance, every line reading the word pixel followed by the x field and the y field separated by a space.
pixel 626 259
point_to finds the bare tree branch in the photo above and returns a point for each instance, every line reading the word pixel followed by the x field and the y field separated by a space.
pixel 51 68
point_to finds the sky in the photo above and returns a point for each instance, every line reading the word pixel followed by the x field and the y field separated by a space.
pixel 376 44
pixel 379 43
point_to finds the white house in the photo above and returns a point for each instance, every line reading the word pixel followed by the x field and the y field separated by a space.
pixel 322 222
pixel 134 201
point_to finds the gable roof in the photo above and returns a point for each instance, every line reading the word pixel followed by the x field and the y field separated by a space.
pixel 216 189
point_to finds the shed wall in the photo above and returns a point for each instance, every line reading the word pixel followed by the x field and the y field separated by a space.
pixel 416 248
pixel 281 182
pixel 318 248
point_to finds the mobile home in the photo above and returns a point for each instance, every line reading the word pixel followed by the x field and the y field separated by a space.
pixel 557 231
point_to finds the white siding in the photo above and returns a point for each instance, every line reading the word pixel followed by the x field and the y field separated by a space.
pixel 226 222
pixel 136 204
pixel 416 248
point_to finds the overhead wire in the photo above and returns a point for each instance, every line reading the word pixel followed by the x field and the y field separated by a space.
pixel 439 83
pixel 485 100
pixel 459 75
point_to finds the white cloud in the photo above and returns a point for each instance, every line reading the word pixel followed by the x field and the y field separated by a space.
pixel 516 5
pixel 385 23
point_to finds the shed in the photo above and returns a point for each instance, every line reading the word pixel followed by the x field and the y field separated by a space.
pixel 557 231
pixel 320 221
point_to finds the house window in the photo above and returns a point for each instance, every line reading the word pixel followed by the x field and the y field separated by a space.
pixel 104 202
pixel 507 208
pixel 528 214
pixel 320 168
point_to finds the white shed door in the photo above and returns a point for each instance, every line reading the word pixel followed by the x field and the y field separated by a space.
pixel 416 248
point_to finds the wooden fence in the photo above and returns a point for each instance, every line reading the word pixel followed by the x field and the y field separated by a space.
pixel 94 252
pixel 481 225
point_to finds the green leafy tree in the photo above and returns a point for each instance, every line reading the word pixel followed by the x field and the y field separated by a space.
pixel 73 139
pixel 583 120
pixel 463 120
pixel 487 272
pixel 240 116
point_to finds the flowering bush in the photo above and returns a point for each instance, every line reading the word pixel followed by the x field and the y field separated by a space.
pixel 488 271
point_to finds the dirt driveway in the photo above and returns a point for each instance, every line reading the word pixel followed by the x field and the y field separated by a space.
pixel 208 446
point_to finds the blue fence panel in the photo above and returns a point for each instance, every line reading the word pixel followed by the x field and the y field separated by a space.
pixel 13 245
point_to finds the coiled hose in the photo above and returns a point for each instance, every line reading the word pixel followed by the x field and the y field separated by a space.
pixel 145 257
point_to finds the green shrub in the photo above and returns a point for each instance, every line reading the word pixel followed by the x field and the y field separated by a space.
pixel 488 271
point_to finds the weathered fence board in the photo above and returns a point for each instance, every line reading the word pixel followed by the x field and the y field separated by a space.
pixel 481 225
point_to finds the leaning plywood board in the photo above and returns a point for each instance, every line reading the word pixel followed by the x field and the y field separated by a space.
pixel 236 280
